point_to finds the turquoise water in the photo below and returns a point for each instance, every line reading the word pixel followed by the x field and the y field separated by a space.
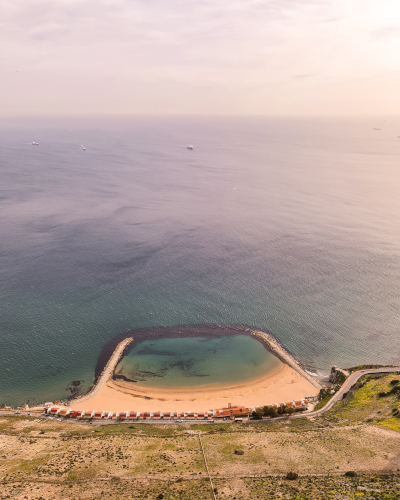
pixel 290 225
pixel 194 361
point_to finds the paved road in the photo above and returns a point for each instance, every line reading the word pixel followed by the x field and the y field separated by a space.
pixel 348 384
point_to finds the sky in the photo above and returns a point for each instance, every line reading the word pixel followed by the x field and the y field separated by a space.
pixel 220 57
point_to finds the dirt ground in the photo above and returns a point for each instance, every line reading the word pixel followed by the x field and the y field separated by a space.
pixel 45 459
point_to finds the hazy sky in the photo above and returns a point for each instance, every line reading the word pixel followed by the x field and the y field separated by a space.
pixel 267 57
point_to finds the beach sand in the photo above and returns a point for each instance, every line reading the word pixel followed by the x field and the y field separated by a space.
pixel 279 385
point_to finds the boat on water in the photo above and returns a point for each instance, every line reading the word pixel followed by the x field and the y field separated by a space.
pixel 83 147
pixel 190 146
pixel 377 129
pixel 35 144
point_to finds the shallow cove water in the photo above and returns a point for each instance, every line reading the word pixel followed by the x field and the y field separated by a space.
pixel 196 361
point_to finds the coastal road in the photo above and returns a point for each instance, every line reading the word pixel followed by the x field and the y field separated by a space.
pixel 348 384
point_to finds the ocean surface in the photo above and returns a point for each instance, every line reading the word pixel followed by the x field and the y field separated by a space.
pixel 290 225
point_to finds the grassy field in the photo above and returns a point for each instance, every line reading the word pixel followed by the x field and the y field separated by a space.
pixel 365 406
pixel 47 459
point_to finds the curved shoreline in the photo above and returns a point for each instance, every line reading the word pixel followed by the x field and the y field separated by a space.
pixel 141 390
pixel 115 389
pixel 282 386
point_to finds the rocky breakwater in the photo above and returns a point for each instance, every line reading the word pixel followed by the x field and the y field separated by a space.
pixel 285 357
pixel 107 371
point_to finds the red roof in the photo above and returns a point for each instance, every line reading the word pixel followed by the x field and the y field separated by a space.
pixel 75 413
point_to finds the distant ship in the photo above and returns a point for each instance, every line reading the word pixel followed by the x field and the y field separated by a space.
pixel 35 144
pixel 83 147
pixel 377 129
pixel 190 146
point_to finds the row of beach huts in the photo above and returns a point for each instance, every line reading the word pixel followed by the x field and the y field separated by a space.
pixel 231 412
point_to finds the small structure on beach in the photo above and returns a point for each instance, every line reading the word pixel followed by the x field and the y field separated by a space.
pixel 232 412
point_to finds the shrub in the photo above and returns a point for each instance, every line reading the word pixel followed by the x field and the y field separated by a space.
pixel 292 476
pixel 350 473
pixel 290 411
pixel 258 414
pixel 272 412
pixel 238 452
pixel 394 381
pixel 382 394
pixel 160 496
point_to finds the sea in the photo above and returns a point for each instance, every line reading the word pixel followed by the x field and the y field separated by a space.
pixel 290 225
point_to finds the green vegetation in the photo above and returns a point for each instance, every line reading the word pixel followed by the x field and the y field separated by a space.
pixel 375 402
pixel 264 488
pixel 272 411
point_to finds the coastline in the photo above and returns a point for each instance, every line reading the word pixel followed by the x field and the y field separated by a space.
pixel 284 384
pixel 280 352
pixel 287 382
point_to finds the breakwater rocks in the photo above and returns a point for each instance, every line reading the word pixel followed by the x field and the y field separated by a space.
pixel 285 357
pixel 107 371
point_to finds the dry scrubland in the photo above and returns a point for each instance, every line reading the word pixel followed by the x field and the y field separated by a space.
pixel 48 459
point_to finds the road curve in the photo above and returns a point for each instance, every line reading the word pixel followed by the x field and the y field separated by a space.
pixel 348 384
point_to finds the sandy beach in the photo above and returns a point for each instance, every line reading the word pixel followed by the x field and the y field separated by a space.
pixel 282 384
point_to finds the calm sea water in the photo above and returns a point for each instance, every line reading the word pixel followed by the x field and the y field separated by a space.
pixel 290 225
pixel 194 361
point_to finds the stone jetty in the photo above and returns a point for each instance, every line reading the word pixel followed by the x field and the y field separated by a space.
pixel 107 371
pixel 285 357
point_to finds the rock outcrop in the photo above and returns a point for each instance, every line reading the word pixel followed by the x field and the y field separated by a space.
pixel 338 375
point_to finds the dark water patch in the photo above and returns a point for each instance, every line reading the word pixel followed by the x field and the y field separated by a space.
pixel 75 389
pixel 178 331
